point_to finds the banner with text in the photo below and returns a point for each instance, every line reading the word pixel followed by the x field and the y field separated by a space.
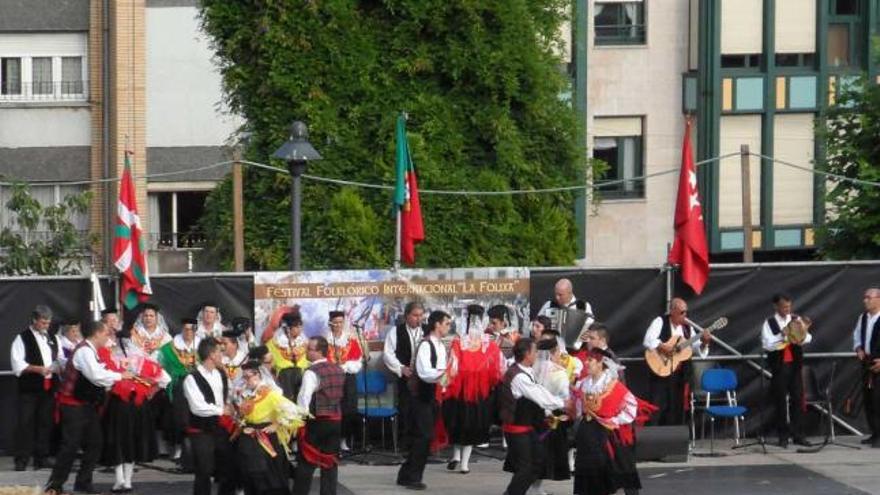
pixel 373 300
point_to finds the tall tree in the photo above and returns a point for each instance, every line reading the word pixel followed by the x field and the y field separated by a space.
pixel 481 82
pixel 852 136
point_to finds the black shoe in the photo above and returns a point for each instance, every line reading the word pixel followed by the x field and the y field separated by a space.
pixel 418 485
pixel 20 465
pixel 43 463
pixel 803 442
pixel 869 440
pixel 465 471
pixel 783 442
pixel 84 488
pixel 451 465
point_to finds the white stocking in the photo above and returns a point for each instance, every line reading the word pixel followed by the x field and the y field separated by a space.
pixel 456 453
pixel 120 477
pixel 466 457
pixel 571 459
pixel 129 469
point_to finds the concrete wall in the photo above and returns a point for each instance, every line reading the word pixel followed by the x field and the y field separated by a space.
pixel 183 84
pixel 24 127
pixel 635 231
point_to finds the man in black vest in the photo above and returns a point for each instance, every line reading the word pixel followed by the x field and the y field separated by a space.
pixel 398 356
pixel 866 343
pixel 785 360
pixel 33 354
pixel 207 393
pixel 670 393
pixel 522 406
pixel 430 370
pixel 82 393
pixel 323 385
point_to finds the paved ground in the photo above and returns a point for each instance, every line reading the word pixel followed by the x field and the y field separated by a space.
pixel 833 471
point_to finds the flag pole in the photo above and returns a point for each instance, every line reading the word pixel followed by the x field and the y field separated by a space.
pixel 397 241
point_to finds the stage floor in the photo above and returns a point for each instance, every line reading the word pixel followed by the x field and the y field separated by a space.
pixel 834 471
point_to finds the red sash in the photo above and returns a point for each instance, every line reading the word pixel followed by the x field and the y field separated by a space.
pixel 312 454
pixel 516 429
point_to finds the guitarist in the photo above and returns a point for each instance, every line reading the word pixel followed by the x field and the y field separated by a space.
pixel 670 393
pixel 866 343
pixel 785 360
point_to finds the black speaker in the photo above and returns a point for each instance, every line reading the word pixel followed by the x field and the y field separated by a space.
pixel 662 443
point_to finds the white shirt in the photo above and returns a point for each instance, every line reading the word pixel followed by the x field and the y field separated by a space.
pixel 388 352
pixel 310 383
pixel 771 342
pixel 546 310
pixel 857 332
pixel 525 386
pixel 652 336
pixel 17 354
pixel 352 366
pixel 428 373
pixel 195 399
pixel 86 362
pixel 181 344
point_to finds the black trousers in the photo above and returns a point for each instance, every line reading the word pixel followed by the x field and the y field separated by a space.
pixel 667 393
pixel 404 412
pixel 80 427
pixel 34 428
pixel 350 418
pixel 423 414
pixel 325 435
pixel 213 455
pixel 787 388
pixel 522 460
pixel 871 395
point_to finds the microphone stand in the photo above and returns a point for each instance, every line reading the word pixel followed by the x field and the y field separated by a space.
pixel 829 433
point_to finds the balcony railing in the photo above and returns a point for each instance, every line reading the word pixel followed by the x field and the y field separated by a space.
pixel 176 240
pixel 43 91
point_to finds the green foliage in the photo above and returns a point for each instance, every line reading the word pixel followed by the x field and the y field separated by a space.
pixel 44 241
pixel 481 84
pixel 852 136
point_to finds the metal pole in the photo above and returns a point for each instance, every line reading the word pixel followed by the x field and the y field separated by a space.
pixel 397 240
pixel 296 170
pixel 237 212
pixel 746 203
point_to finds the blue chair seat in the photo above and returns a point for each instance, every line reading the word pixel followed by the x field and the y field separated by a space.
pixel 726 411
pixel 378 412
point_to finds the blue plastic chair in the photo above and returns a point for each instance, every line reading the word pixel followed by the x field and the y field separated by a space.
pixel 374 384
pixel 721 380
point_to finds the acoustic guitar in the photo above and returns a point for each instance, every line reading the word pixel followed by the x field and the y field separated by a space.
pixel 664 364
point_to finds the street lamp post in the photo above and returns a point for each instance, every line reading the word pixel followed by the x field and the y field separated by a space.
pixel 297 152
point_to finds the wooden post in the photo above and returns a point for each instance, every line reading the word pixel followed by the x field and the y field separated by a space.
pixel 237 212
pixel 746 203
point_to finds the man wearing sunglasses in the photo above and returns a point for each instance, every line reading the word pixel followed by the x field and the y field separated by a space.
pixel 668 393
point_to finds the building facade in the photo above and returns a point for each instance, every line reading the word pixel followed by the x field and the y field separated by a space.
pixel 84 81
pixel 753 72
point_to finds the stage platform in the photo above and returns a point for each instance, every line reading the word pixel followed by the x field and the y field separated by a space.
pixel 833 471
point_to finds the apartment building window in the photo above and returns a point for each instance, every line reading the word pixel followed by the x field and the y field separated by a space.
pixel 46 196
pixel 795 59
pixel 43 78
pixel 10 76
pixel 623 155
pixel 174 219
pixel 619 23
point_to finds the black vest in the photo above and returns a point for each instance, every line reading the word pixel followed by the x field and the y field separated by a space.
pixel 207 423
pixel 404 351
pixel 776 357
pixel 666 329
pixel 426 392
pixel 522 411
pixel 32 382
pixel 875 335
pixel 578 304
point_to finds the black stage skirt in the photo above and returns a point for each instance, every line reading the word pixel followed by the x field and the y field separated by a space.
pixel 467 423
pixel 261 473
pixel 350 396
pixel 129 432
pixel 175 417
pixel 554 449
pixel 290 379
pixel 598 471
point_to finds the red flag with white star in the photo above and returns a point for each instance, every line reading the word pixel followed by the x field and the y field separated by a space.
pixel 690 250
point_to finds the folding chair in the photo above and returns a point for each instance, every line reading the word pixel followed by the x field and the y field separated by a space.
pixel 721 380
pixel 373 384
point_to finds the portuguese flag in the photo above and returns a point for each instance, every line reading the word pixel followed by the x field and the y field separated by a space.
pixel 406 198
pixel 129 251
